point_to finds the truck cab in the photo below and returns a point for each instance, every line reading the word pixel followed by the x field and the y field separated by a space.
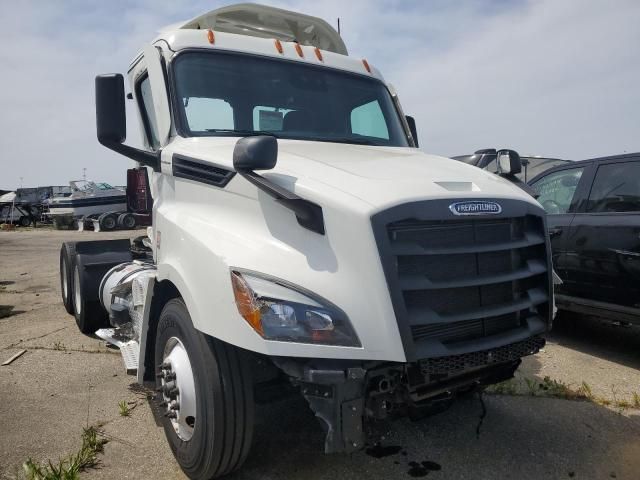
pixel 299 235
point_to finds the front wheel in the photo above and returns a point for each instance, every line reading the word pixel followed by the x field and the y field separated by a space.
pixel 206 394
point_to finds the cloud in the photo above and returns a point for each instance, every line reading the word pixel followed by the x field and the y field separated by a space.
pixel 543 77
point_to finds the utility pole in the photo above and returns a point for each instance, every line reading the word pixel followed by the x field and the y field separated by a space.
pixel 21 178
pixel 84 174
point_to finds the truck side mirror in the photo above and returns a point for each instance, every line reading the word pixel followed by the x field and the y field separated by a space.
pixel 255 153
pixel 412 128
pixel 111 121
pixel 509 162
pixel 261 153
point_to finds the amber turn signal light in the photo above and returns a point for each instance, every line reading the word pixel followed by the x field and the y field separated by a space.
pixel 246 302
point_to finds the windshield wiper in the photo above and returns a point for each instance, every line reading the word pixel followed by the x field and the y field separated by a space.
pixel 249 133
pixel 357 141
pixel 245 133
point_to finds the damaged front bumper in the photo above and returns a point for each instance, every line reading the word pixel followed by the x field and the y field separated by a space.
pixel 346 394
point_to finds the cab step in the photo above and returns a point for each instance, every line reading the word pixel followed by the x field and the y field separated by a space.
pixel 129 349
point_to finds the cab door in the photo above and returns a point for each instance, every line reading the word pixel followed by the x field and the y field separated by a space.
pixel 558 191
pixel 604 237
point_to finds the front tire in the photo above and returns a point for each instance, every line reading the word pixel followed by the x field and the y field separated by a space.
pixel 216 442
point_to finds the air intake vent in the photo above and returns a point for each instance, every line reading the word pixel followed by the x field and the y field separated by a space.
pixel 199 171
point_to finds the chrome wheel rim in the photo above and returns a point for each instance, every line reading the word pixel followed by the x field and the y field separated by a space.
pixel 178 388
pixel 77 300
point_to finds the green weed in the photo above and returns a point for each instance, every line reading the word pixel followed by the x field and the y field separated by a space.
pixel 124 409
pixel 69 468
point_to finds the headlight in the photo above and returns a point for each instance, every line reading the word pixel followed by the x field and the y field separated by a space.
pixel 279 311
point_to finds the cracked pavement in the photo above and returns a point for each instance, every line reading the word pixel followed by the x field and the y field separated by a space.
pixel 67 380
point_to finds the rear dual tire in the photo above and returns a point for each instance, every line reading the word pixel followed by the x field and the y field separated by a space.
pixel 126 221
pixel 108 221
pixel 89 314
pixel 222 429
pixel 67 266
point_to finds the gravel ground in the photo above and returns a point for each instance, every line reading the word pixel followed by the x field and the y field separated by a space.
pixel 67 380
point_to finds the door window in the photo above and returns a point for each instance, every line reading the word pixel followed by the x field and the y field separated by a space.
pixel 148 113
pixel 556 190
pixel 616 188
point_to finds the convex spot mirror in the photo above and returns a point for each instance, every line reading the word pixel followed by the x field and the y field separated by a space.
pixel 509 162
pixel 111 122
pixel 255 153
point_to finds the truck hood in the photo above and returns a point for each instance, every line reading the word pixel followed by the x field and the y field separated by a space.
pixel 378 176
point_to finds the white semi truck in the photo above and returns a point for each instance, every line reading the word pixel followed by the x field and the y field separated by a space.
pixel 300 237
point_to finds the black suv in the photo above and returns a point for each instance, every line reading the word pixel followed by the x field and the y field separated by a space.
pixel 593 211
pixel 531 166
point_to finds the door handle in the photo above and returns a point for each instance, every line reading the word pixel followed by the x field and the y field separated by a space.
pixel 554 232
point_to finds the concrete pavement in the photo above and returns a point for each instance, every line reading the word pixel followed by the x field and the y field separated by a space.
pixel 66 380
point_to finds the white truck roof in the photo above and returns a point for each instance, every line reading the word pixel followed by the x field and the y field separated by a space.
pixel 270 22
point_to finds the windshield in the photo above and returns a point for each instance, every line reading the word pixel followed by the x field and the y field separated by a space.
pixel 237 95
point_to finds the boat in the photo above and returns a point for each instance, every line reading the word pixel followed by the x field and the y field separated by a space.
pixel 88 198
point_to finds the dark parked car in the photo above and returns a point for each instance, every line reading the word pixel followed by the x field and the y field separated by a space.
pixel 593 211
pixel 531 166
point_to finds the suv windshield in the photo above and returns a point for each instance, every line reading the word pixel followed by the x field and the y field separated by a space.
pixel 222 94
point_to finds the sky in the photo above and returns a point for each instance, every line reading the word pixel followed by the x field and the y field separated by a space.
pixel 557 78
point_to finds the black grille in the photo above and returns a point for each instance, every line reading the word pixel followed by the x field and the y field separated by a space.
pixel 199 171
pixel 456 363
pixel 462 279
pixel 466 330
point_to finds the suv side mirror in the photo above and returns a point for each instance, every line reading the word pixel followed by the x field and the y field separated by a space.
pixel 509 162
pixel 255 153
pixel 412 127
pixel 111 121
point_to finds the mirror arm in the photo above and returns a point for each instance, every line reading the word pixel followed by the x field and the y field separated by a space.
pixel 308 214
pixel 148 159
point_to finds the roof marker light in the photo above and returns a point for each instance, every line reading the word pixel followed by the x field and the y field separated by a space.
pixel 211 36
pixel 278 45
pixel 299 50
pixel 366 65
pixel 318 54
